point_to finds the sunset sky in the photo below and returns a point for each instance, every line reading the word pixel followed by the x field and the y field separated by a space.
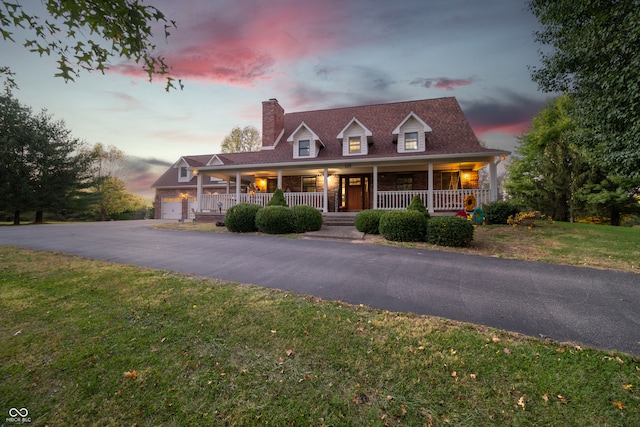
pixel 309 54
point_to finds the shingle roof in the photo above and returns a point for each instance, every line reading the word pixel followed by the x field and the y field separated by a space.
pixel 451 132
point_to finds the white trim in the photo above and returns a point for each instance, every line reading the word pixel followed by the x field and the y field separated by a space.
pixel 425 126
pixel 313 134
pixel 214 160
pixel 367 132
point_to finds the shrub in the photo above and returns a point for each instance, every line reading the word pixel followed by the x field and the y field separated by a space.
pixel 241 218
pixel 417 205
pixel 277 199
pixel 368 221
pixel 306 218
pixel 450 231
pixel 403 226
pixel 500 211
pixel 275 220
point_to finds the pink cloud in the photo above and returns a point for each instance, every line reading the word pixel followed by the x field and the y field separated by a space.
pixel 241 43
pixel 441 82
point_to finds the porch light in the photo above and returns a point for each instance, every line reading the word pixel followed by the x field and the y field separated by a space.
pixel 195 172
pixel 184 195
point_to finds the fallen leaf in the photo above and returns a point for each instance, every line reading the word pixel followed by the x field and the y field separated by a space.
pixel 454 374
pixel 562 398
pixel 389 398
pixel 506 351
pixel 273 331
pixel 618 404
pixel 521 402
pixel 130 374
pixel 403 409
pixel 289 353
pixel 627 386
pixel 545 397
pixel 473 376
pixel 163 339
pixel 495 339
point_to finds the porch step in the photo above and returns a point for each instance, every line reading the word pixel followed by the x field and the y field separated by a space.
pixel 339 219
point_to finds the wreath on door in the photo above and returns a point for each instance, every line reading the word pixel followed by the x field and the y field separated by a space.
pixel 469 202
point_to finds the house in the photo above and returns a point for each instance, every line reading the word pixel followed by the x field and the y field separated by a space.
pixel 342 160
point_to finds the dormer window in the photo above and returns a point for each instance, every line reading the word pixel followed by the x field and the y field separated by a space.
pixel 304 147
pixel 411 141
pixel 183 171
pixel 355 145
pixel 305 142
pixel 411 134
pixel 355 138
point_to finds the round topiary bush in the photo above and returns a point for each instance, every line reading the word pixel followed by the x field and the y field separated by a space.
pixel 417 205
pixel 241 218
pixel 500 211
pixel 277 199
pixel 368 221
pixel 275 220
pixel 306 218
pixel 403 226
pixel 450 231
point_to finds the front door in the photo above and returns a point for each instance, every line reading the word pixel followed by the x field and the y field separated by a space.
pixel 355 192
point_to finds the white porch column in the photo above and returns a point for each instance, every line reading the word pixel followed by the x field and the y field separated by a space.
pixel 228 185
pixel 326 191
pixel 238 185
pixel 493 180
pixel 430 189
pixel 375 187
pixel 279 179
pixel 199 193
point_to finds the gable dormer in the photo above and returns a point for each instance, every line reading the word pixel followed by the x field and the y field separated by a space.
pixel 306 144
pixel 355 138
pixel 411 134
pixel 184 174
pixel 215 161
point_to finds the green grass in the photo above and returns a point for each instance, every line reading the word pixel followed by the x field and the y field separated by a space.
pixel 207 352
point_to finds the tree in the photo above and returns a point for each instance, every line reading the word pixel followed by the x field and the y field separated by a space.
pixel 591 53
pixel 108 193
pixel 40 168
pixel 547 165
pixel 86 35
pixel 610 197
pixel 241 140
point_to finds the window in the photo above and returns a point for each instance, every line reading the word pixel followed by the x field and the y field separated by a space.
pixel 183 172
pixel 450 180
pixel 304 148
pixel 354 144
pixel 309 184
pixel 404 183
pixel 411 141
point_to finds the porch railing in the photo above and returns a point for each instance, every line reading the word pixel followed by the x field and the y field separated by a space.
pixel 217 202
pixel 443 200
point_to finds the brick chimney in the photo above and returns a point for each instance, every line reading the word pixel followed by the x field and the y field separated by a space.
pixel 272 122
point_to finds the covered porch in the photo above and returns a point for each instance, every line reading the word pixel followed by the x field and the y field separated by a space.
pixel 350 187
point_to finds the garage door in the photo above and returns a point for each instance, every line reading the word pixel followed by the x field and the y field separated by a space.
pixel 171 208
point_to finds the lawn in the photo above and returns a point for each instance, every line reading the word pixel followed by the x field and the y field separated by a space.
pixel 86 342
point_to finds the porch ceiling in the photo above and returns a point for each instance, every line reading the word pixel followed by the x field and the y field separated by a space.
pixel 346 169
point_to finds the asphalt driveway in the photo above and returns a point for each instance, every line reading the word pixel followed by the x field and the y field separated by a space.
pixel 587 306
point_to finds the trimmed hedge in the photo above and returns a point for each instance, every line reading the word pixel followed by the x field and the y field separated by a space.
pixel 275 220
pixel 450 231
pixel 241 218
pixel 403 226
pixel 306 218
pixel 368 221
pixel 277 199
pixel 500 211
pixel 417 205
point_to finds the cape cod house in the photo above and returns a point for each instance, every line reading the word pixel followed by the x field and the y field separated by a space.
pixel 340 160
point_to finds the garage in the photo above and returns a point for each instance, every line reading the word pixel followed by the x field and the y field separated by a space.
pixel 171 208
